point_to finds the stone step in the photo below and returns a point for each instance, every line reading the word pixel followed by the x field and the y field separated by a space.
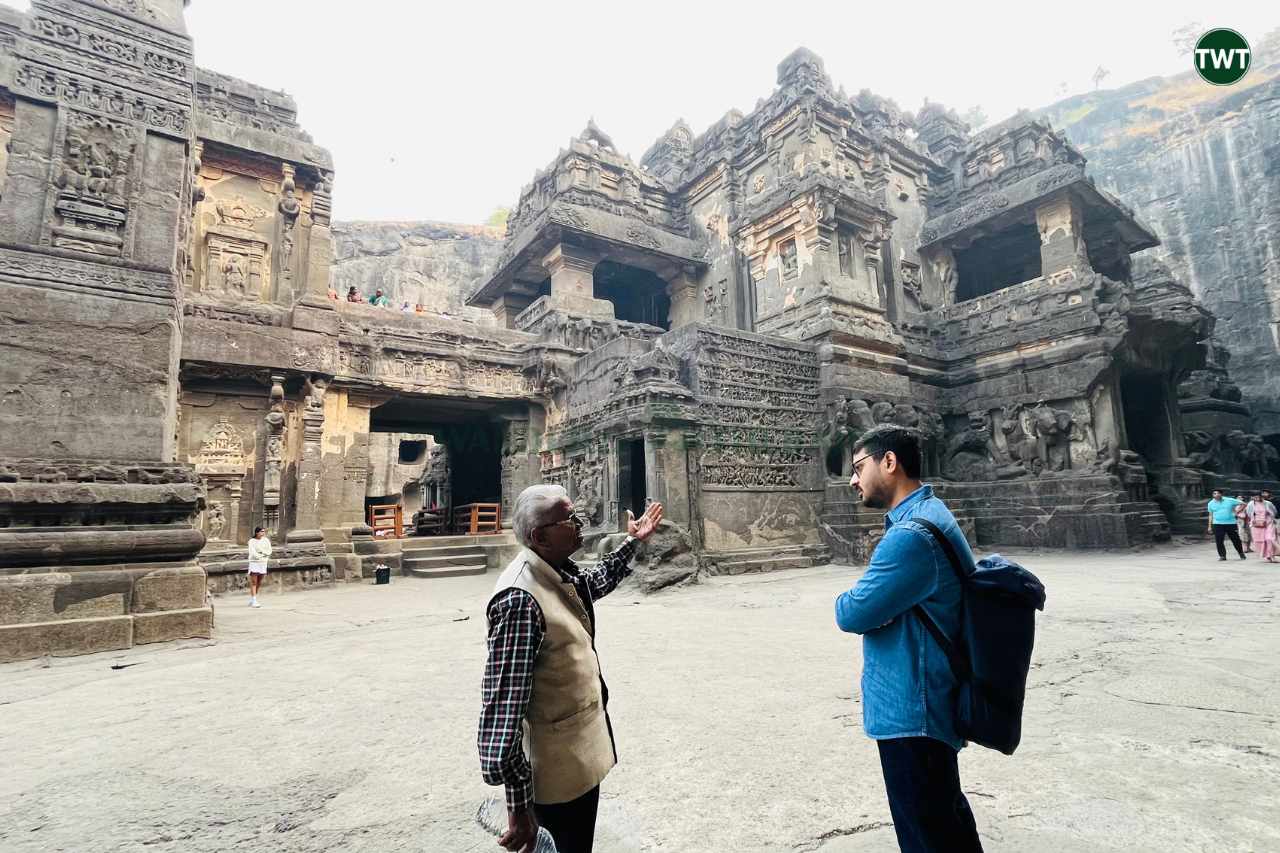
pixel 445 551
pixel 462 561
pixel 416 543
pixel 751 560
pixel 743 567
pixel 447 572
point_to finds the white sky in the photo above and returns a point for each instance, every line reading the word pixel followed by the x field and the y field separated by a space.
pixel 444 110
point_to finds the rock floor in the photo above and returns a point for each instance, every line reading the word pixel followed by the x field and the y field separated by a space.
pixel 344 719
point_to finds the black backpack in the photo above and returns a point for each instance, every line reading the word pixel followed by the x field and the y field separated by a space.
pixel 999 600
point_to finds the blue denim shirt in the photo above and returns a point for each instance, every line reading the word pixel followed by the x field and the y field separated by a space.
pixel 908 689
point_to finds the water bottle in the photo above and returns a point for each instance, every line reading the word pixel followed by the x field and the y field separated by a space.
pixel 492 816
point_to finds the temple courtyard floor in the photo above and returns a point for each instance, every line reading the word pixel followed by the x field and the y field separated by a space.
pixel 344 719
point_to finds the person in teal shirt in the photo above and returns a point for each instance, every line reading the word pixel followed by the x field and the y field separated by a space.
pixel 379 299
pixel 1223 514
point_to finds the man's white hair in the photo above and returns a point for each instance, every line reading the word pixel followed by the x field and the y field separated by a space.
pixel 535 507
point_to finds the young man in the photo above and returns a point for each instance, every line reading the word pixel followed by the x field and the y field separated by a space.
pixel 542 677
pixel 908 689
pixel 1223 522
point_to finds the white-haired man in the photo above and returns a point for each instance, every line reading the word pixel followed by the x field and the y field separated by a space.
pixel 542 680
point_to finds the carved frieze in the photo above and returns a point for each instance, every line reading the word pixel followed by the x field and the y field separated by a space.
pixel 41 82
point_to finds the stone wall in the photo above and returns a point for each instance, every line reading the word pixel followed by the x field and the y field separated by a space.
pixel 433 263
pixel 1201 165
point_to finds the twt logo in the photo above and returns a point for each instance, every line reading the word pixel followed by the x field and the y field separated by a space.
pixel 1222 57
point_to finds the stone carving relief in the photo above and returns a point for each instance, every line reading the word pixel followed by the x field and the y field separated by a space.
pixel 1053 437
pixel 273 459
pixel 236 269
pixel 238 213
pixel 215 523
pixel 49 84
pixel 93 199
pixel 759 412
pixel 222 450
pixel 289 208
pixel 913 286
pixel 588 492
pixel 715 299
pixel 220 465
pixel 1231 452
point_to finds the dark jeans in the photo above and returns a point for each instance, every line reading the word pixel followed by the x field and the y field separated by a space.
pixel 930 812
pixel 573 824
pixel 1231 532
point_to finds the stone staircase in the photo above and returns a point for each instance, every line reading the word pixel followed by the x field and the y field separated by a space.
pixel 1146 522
pixel 750 560
pixel 443 557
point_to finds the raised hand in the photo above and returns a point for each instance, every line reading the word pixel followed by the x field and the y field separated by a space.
pixel 643 527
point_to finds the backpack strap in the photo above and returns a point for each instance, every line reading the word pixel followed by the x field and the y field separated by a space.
pixel 959 663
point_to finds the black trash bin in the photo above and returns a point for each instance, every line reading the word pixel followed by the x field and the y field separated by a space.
pixel 382 574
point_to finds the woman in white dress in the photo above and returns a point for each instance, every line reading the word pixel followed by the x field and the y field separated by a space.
pixel 259 552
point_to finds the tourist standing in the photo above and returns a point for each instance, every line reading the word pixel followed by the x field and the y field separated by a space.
pixel 1223 522
pixel 542 676
pixel 259 553
pixel 908 686
pixel 1243 524
pixel 1262 526
pixel 352 295
pixel 379 299
pixel 1266 496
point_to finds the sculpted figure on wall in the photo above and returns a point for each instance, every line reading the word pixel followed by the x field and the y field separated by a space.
pixel 1053 437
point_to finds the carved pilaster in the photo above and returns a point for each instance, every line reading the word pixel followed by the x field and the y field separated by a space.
pixel 310 466
pixel 288 207
pixel 273 458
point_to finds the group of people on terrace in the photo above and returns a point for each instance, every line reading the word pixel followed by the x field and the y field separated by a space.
pixel 379 299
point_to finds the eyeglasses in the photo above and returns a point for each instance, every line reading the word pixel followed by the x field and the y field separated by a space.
pixel 857 463
pixel 577 520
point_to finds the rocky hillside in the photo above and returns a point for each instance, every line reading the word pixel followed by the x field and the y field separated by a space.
pixel 1201 165
pixel 434 263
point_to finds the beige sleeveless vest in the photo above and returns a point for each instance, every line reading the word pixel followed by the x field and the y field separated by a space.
pixel 566 728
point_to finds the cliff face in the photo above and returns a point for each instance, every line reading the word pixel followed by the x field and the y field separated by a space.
pixel 434 263
pixel 1201 165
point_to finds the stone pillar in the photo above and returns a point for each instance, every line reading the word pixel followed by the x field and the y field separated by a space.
pixel 273 459
pixel 572 287
pixel 319 259
pixel 1061 235
pixel 508 306
pixel 310 466
pixel 98 190
pixel 517 464
pixel 687 302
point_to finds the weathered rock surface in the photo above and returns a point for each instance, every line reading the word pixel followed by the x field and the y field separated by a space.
pixel 1201 165
pixel 434 263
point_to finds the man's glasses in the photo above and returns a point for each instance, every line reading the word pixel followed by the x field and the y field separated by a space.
pixel 577 520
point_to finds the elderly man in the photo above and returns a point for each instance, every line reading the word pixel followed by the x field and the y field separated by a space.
pixel 542 678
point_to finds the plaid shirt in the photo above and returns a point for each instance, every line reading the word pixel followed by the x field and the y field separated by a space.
pixel 516 630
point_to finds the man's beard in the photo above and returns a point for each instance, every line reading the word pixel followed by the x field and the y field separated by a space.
pixel 872 500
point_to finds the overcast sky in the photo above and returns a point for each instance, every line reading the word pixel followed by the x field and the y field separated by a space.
pixel 444 110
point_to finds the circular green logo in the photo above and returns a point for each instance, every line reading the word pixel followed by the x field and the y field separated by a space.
pixel 1221 57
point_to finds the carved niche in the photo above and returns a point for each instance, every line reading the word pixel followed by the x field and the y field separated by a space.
pixel 220 465
pixel 237 264
pixel 95 180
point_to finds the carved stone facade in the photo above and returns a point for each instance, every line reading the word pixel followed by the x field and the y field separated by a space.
pixel 712 328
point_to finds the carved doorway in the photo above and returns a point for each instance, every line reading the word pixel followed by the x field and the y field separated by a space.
pixel 632 493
